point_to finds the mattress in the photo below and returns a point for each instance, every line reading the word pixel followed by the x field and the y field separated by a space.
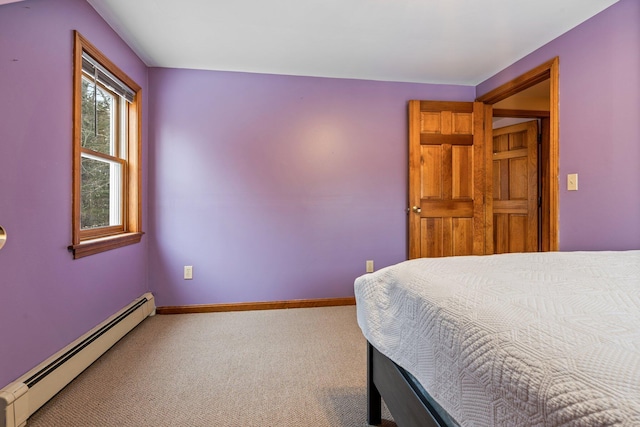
pixel 535 339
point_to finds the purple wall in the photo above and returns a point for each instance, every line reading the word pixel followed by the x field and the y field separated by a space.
pixel 275 187
pixel 47 299
pixel 272 187
pixel 599 127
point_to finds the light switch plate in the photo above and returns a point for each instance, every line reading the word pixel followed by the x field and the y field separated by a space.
pixel 572 182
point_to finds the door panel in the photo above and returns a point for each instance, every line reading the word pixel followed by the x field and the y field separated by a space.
pixel 431 176
pixel 462 172
pixel 447 188
pixel 515 188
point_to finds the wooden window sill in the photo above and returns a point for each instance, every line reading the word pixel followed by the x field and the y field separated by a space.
pixel 95 246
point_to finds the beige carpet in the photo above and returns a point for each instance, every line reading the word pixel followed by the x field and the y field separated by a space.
pixel 297 367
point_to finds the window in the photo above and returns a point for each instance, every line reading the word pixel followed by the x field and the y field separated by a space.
pixel 106 154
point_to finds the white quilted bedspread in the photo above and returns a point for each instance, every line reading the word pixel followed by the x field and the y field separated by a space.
pixel 538 339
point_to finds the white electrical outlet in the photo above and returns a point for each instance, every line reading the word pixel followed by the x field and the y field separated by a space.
pixel 188 272
pixel 369 266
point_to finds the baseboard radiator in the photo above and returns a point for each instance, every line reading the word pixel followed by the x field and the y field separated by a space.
pixel 20 399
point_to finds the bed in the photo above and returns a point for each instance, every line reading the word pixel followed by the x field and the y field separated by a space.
pixel 528 339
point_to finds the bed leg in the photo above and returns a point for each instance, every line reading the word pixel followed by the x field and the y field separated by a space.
pixel 374 400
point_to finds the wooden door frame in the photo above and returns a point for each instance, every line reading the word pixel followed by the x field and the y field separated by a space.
pixel 548 70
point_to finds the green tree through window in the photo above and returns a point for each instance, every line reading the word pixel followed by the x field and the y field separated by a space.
pixel 97 118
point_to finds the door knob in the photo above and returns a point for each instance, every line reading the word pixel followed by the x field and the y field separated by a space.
pixel 416 209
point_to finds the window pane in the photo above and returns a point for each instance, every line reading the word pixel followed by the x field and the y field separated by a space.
pixel 97 103
pixel 101 200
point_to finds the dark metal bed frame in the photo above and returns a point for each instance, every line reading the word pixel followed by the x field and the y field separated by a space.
pixel 388 381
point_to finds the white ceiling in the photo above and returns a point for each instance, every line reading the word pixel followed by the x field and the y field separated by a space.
pixel 428 41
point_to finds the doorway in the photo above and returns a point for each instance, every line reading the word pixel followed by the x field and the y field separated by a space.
pixel 451 165
pixel 525 97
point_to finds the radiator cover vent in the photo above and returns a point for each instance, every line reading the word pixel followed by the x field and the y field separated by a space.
pixel 20 399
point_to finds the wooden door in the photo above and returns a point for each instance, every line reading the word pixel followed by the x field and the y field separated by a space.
pixel 447 188
pixel 515 188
